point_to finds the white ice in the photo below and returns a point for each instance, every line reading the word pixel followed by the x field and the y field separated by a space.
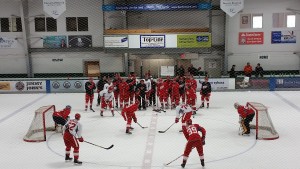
pixel 146 147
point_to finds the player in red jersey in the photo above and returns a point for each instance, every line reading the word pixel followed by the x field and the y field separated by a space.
pixel 175 93
pixel 124 94
pixel 191 97
pixel 205 92
pixel 185 112
pixel 128 114
pixel 61 117
pixel 116 83
pixel 89 93
pixel 107 97
pixel 194 140
pixel 246 116
pixel 72 130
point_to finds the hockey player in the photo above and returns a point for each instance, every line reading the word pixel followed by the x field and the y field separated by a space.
pixel 128 114
pixel 246 115
pixel 185 112
pixel 116 83
pixel 107 97
pixel 132 84
pixel 191 97
pixel 61 117
pixel 89 93
pixel 72 130
pixel 124 94
pixel 175 94
pixel 141 89
pixel 152 97
pixel 148 89
pixel 205 92
pixel 181 83
pixel 194 140
pixel 100 87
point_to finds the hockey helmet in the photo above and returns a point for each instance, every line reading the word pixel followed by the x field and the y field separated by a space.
pixel 77 116
pixel 189 122
pixel 236 105
pixel 68 107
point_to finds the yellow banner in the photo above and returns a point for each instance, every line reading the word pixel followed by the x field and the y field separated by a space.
pixel 4 85
pixel 201 40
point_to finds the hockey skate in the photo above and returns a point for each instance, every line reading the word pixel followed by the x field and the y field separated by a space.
pixel 128 132
pixel 68 158
pixel 183 163
pixel 101 113
pixel 85 109
pixel 77 162
pixel 202 105
pixel 112 112
pixel 202 162
pixel 131 128
pixel 207 105
pixel 92 109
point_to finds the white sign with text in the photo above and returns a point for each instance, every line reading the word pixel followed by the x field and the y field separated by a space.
pixel 232 7
pixel 54 8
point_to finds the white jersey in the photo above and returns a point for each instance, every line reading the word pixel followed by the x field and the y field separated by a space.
pixel 107 96
pixel 106 86
pixel 74 127
pixel 148 85
pixel 182 109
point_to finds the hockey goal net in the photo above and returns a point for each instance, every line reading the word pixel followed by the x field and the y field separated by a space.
pixel 41 123
pixel 262 122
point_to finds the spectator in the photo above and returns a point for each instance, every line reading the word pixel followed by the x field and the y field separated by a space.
pixel 192 70
pixel 180 71
pixel 232 73
pixel 248 70
pixel 259 71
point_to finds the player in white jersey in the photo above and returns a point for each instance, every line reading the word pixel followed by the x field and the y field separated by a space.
pixel 148 89
pixel 107 97
pixel 72 131
pixel 185 112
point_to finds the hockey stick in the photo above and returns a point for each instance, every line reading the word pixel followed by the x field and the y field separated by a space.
pixel 107 148
pixel 141 125
pixel 173 160
pixel 168 127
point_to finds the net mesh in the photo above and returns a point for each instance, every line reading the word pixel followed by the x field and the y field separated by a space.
pixel 41 123
pixel 263 124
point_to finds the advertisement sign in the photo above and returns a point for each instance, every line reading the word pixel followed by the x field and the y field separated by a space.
pixel 80 41
pixel 22 86
pixel 288 82
pixel 152 41
pixel 67 86
pixel 253 83
pixel 231 7
pixel 167 70
pixel 217 83
pixel 283 37
pixel 6 42
pixel 54 8
pixel 194 41
pixel 116 42
pixel 251 38
pixel 158 7
pixel 55 41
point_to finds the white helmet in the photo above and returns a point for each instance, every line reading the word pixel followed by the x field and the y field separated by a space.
pixel 236 105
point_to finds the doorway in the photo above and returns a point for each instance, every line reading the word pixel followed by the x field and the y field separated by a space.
pixel 213 67
pixel 91 68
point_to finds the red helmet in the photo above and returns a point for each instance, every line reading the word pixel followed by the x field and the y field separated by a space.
pixel 77 116
pixel 189 122
pixel 110 88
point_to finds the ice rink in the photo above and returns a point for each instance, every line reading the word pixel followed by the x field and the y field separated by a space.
pixel 146 148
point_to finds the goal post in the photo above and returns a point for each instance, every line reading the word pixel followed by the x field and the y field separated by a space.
pixel 262 122
pixel 41 123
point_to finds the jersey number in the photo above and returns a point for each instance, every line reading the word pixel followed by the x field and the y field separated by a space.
pixel 72 124
pixel 191 130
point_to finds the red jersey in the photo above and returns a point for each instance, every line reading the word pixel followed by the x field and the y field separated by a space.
pixel 63 113
pixel 175 89
pixel 244 111
pixel 193 134
pixel 124 88
pixel 191 93
pixel 131 109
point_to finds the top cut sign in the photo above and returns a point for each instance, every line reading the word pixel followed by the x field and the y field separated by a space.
pixel 54 8
pixel 232 7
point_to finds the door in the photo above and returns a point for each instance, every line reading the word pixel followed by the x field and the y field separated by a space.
pixel 213 67
pixel 91 68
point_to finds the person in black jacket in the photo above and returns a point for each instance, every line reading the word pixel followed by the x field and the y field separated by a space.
pixel 152 98
pixel 89 93
pixel 100 86
pixel 205 92
pixel 192 70
pixel 259 71
pixel 232 73
pixel 141 94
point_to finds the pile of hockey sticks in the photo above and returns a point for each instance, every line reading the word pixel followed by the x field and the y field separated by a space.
pixel 159 110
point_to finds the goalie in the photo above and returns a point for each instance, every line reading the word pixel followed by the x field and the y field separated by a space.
pixel 246 116
pixel 61 117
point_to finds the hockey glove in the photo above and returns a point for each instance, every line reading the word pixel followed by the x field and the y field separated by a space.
pixel 176 120
pixel 135 120
pixel 203 141
pixel 80 139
